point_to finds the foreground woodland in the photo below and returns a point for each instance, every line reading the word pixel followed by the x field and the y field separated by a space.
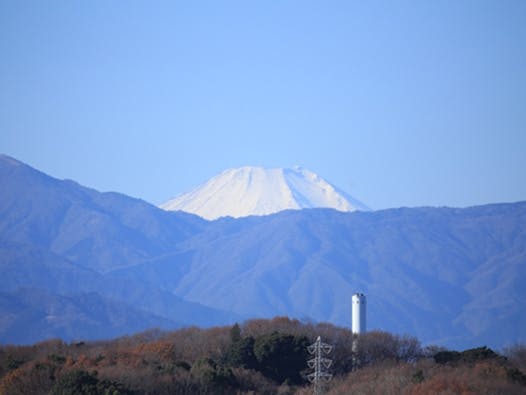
pixel 256 357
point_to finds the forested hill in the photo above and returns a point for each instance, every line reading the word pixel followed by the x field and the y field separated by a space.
pixel 258 357
pixel 77 263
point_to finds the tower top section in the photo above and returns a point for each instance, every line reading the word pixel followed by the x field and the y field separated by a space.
pixel 358 313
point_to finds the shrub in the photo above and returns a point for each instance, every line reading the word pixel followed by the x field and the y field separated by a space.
pixel 80 382
pixel 282 357
pixel 241 354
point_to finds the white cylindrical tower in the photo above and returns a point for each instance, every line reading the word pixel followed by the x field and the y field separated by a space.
pixel 358 313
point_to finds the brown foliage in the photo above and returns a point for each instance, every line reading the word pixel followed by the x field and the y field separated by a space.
pixel 31 378
pixel 157 362
pixel 427 377
pixel 517 355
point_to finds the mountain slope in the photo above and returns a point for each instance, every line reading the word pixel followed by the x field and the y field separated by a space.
pixel 30 315
pixel 99 231
pixel 63 239
pixel 450 276
pixel 258 191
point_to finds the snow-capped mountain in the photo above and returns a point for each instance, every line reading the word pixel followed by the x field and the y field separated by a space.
pixel 248 191
pixel 80 264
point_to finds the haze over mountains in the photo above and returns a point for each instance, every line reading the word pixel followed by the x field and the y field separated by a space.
pixel 259 191
pixel 77 263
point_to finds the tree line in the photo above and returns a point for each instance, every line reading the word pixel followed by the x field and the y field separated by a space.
pixel 256 357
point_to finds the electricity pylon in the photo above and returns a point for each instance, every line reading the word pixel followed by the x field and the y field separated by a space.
pixel 320 364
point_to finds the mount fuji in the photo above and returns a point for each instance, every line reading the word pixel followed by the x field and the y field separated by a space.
pixel 80 264
pixel 247 191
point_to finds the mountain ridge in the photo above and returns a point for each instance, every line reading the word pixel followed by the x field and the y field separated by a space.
pixel 451 276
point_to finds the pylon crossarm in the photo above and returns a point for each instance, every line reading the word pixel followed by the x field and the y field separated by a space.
pixel 326 362
pixel 326 348
pixel 312 377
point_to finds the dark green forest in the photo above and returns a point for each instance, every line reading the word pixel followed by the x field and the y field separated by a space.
pixel 256 357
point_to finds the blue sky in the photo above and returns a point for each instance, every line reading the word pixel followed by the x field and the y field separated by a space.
pixel 400 103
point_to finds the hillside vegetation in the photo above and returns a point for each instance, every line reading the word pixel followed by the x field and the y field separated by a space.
pixel 257 357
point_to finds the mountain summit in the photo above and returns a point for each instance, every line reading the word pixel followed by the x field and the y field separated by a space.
pixel 259 191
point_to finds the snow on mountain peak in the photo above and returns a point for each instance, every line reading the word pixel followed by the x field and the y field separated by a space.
pixel 245 191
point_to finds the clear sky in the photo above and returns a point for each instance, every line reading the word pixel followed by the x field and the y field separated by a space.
pixel 399 103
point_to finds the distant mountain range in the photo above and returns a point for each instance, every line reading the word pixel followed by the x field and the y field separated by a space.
pixel 259 191
pixel 77 263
